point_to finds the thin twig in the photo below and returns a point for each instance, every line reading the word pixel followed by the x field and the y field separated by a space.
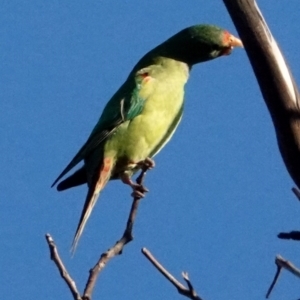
pixel 188 282
pixel 106 256
pixel 62 269
pixel 188 292
pixel 274 281
pixel 282 263
pixel 162 270
pixel 118 247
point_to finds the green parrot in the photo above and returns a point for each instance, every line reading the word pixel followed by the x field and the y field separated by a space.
pixel 143 114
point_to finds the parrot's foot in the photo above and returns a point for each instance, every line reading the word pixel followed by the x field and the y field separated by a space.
pixel 138 189
pixel 148 163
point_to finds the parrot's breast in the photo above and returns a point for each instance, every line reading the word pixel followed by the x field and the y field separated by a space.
pixel 146 134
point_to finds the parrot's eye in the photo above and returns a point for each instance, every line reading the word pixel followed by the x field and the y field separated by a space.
pixel 144 75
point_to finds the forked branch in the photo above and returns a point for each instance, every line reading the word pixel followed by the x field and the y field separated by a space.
pixel 61 268
pixel 104 257
pixel 282 263
pixel 189 292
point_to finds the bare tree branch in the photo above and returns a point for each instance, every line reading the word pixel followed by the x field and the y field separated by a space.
pixel 280 93
pixel 292 235
pixel 191 288
pixel 106 256
pixel 274 281
pixel 188 292
pixel 274 77
pixel 118 247
pixel 62 269
pixel 282 263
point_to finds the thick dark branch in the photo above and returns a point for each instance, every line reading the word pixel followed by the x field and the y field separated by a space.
pixel 292 235
pixel 276 82
pixel 282 263
pixel 62 269
pixel 188 292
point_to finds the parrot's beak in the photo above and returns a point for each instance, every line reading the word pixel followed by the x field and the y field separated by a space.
pixel 235 42
pixel 230 41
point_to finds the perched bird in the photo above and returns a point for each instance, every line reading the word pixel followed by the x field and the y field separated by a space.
pixel 143 114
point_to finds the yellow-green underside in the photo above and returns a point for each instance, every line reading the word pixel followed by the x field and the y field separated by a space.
pixel 147 133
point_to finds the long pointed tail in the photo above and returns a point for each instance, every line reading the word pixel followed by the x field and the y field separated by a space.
pixel 91 198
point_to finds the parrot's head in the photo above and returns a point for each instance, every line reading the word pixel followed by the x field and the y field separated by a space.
pixel 200 43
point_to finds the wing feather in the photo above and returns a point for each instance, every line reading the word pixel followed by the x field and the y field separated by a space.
pixel 125 105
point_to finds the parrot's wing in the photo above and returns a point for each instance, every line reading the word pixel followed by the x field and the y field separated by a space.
pixel 125 105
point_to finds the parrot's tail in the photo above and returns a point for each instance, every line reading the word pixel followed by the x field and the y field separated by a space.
pixel 92 196
pixel 78 178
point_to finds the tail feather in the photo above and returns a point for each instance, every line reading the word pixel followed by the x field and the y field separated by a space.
pixel 77 178
pixel 76 160
pixel 94 190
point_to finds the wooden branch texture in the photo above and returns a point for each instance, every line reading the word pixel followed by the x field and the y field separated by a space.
pixel 109 254
pixel 188 292
pixel 282 263
pixel 276 82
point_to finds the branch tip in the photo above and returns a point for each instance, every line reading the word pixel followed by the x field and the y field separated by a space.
pixel 188 292
pixel 104 257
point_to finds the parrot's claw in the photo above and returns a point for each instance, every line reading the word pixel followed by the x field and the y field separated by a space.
pixel 141 188
pixel 138 189
pixel 148 163
pixel 137 194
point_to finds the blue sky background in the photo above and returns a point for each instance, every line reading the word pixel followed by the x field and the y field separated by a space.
pixel 219 194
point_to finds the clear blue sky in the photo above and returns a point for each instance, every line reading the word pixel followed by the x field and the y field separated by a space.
pixel 219 194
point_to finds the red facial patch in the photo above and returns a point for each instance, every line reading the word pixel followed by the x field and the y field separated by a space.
pixel 226 38
pixel 226 41
pixel 146 77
